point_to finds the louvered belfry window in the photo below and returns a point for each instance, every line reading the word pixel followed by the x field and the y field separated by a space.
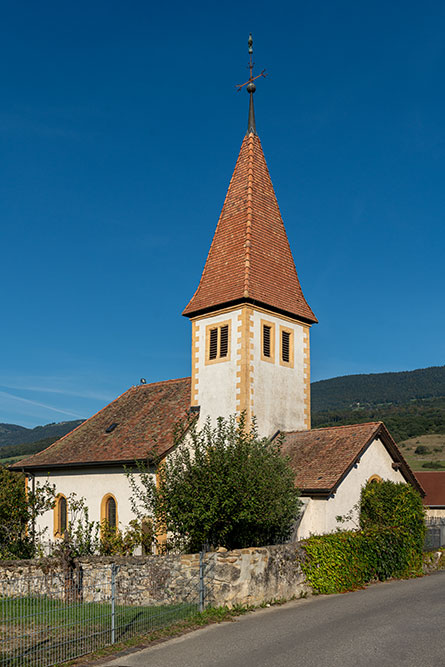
pixel 224 341
pixel 285 346
pixel 218 342
pixel 266 340
pixel 213 349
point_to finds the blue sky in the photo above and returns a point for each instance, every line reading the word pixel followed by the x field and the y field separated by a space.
pixel 119 131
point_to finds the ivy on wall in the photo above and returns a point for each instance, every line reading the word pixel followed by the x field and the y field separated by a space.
pixel 389 543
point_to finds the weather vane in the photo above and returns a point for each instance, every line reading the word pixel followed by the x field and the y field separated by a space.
pixel 250 82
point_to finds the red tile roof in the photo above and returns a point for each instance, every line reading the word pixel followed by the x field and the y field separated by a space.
pixel 321 458
pixel 146 418
pixel 434 484
pixel 250 258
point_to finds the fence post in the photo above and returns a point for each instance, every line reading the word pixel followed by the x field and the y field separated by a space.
pixel 113 603
pixel 201 580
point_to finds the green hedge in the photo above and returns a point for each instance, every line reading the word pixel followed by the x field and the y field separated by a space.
pixel 344 561
pixel 389 544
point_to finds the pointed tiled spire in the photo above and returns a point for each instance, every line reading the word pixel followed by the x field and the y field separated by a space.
pixel 250 259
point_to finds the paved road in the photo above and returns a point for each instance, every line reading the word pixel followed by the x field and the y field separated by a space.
pixel 394 623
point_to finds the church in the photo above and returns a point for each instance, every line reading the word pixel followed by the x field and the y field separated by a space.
pixel 250 353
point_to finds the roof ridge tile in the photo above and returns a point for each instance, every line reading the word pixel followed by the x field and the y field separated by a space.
pixel 152 384
pixel 340 426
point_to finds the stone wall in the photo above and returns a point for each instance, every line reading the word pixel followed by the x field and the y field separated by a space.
pixel 244 576
pixel 252 576
pixel 433 561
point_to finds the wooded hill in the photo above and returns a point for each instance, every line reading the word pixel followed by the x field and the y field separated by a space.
pixel 11 453
pixel 410 403
pixel 352 391
pixel 11 434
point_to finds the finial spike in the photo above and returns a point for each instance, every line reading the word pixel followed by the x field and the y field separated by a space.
pixel 251 127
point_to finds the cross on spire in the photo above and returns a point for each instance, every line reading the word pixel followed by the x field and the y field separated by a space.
pixel 250 87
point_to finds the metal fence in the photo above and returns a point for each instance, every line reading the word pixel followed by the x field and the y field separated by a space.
pixel 55 617
pixel 435 533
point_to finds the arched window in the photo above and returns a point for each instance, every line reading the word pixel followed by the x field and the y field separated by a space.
pixel 376 479
pixel 60 516
pixel 108 511
pixel 111 512
pixel 147 535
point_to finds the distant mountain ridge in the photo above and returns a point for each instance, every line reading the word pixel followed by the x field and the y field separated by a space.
pixel 371 390
pixel 12 434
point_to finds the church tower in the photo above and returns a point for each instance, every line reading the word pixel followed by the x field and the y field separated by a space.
pixel 250 320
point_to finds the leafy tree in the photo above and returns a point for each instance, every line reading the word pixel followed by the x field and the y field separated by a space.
pixel 222 486
pixel 19 508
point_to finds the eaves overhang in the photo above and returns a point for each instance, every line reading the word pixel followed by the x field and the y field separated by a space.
pixel 78 464
pixel 315 493
pixel 251 302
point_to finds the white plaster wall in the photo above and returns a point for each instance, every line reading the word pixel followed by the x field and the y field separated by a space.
pixel 313 521
pixel 217 381
pixel 435 513
pixel 320 515
pixel 92 484
pixel 279 391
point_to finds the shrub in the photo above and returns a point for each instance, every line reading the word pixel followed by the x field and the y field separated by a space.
pixel 14 516
pixel 19 508
pixel 83 537
pixel 117 542
pixel 389 504
pixel 225 487
pixel 421 449
pixel 434 465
